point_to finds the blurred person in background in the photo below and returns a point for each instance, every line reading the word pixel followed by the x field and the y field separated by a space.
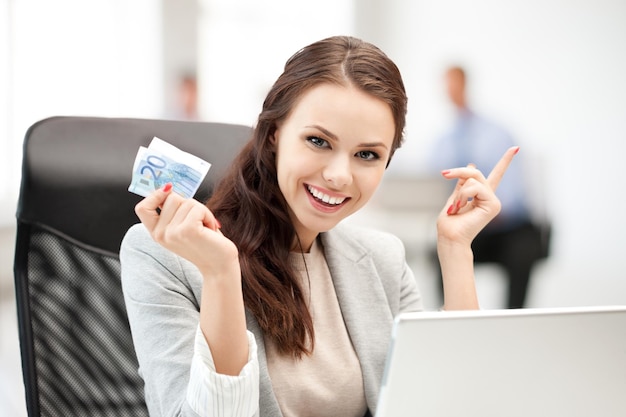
pixel 511 240
pixel 185 106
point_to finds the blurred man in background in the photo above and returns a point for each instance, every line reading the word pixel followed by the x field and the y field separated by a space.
pixel 511 239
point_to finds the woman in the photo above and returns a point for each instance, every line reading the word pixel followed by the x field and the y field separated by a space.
pixel 259 303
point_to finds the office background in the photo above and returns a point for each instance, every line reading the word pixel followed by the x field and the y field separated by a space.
pixel 552 70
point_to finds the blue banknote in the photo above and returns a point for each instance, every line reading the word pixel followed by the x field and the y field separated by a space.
pixel 161 163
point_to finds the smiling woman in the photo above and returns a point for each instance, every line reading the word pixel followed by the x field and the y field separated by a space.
pixel 265 304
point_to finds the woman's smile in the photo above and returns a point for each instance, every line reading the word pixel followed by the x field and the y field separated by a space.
pixel 324 200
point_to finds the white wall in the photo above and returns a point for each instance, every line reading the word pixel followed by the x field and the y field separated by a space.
pixel 5 115
pixel 72 57
pixel 244 44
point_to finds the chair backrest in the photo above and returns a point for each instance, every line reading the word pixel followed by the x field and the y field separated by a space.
pixel 73 211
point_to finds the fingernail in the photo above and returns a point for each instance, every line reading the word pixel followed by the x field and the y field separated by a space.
pixel 516 151
pixel 167 187
pixel 450 208
pixel 446 172
pixel 458 203
pixel 219 225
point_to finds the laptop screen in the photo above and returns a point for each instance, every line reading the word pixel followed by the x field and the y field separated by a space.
pixel 526 362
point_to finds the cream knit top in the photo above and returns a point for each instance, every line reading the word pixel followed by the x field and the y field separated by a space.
pixel 329 382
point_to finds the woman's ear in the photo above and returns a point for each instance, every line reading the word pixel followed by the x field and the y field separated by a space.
pixel 273 137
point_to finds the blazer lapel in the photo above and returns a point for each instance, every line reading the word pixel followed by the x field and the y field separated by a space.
pixel 363 304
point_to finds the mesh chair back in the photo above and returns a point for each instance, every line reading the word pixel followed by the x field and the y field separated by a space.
pixel 73 210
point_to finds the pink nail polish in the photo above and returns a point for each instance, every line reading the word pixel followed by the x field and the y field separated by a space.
pixel 450 209
pixel 167 187
pixel 516 151
pixel 446 172
pixel 219 225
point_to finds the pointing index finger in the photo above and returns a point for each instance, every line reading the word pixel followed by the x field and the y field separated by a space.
pixel 498 171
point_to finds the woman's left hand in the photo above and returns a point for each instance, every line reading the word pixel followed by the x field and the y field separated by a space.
pixel 473 203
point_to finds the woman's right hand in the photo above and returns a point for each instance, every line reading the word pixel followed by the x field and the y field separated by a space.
pixel 188 228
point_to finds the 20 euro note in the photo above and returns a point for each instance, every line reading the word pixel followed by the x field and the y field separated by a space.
pixel 161 163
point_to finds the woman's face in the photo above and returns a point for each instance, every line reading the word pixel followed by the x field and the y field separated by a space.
pixel 331 153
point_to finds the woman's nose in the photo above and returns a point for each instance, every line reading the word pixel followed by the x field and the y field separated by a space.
pixel 338 172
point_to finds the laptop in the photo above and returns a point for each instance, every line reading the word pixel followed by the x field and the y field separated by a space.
pixel 527 362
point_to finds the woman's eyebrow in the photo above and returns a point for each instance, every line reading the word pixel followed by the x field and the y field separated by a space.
pixel 372 145
pixel 335 137
pixel 324 131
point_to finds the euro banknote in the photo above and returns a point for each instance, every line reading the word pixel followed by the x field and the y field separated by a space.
pixel 162 162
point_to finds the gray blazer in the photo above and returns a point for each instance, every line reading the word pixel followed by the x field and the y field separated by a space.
pixel 162 292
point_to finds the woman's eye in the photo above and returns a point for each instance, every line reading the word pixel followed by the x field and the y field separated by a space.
pixel 367 155
pixel 319 142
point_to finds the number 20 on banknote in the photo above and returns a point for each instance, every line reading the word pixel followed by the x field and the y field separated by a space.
pixel 161 163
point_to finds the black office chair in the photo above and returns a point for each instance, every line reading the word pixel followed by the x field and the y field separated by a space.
pixel 74 208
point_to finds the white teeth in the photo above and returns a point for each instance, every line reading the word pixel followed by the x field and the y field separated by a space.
pixel 325 197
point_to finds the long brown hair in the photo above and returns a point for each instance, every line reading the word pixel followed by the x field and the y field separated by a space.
pixel 248 202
